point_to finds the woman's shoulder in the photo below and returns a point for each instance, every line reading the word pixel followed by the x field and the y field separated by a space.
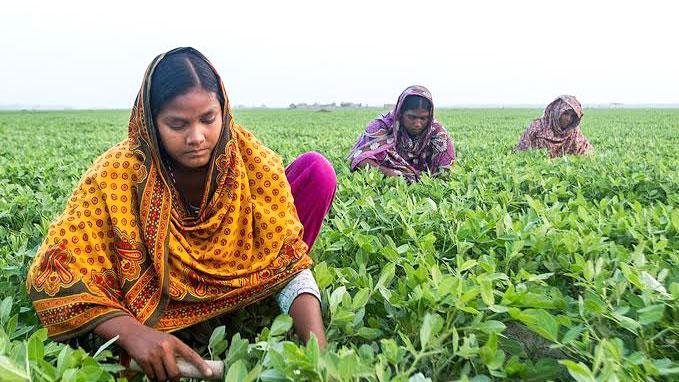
pixel 536 124
pixel 440 131
pixel 251 147
pixel 381 123
pixel 116 161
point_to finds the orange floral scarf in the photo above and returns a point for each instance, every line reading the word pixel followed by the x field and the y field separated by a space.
pixel 126 245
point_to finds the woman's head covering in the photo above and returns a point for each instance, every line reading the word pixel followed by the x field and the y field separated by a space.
pixel 125 244
pixel 547 132
pixel 557 108
pixel 389 144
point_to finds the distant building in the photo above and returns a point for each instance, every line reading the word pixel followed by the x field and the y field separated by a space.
pixel 315 106
pixel 350 105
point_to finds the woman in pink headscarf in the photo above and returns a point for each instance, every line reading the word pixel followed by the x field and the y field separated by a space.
pixel 407 141
pixel 557 130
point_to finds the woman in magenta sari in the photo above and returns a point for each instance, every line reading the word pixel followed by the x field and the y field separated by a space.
pixel 407 141
pixel 557 130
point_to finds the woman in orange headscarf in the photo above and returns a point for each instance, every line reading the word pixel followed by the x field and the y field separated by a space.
pixel 189 218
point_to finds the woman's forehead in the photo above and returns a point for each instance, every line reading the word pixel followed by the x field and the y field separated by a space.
pixel 417 112
pixel 568 111
pixel 196 101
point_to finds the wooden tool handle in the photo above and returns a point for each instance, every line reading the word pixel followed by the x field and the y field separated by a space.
pixel 188 370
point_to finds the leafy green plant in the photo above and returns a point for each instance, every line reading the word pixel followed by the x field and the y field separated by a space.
pixel 515 267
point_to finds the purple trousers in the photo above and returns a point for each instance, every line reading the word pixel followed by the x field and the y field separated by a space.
pixel 313 183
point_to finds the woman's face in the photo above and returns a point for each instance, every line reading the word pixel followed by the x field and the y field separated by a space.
pixel 567 119
pixel 415 121
pixel 189 127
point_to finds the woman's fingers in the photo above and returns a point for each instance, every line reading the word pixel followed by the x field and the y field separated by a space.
pixel 170 363
pixel 147 368
pixel 191 356
pixel 159 370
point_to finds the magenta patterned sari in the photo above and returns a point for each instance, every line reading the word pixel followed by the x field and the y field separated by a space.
pixel 545 132
pixel 390 146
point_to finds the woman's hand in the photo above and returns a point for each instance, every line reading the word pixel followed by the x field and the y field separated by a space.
pixel 386 170
pixel 153 350
pixel 306 317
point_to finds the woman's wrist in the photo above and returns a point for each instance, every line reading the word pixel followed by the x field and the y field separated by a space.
pixel 125 327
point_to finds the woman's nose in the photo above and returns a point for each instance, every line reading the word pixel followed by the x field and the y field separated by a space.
pixel 195 137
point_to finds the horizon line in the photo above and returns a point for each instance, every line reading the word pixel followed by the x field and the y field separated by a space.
pixel 611 105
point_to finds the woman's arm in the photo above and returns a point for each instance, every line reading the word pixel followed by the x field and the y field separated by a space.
pixel 442 154
pixel 301 299
pixel 153 350
pixel 384 170
pixel 306 317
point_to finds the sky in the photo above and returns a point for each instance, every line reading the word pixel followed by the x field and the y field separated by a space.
pixel 81 54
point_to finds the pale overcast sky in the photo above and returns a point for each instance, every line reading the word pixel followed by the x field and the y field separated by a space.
pixel 91 54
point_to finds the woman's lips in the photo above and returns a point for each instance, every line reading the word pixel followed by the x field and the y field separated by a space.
pixel 197 153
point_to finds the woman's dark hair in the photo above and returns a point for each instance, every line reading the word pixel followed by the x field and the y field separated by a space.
pixel 414 102
pixel 178 73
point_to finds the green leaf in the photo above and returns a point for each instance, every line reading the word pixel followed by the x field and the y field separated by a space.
pixel 36 346
pixel 467 265
pixel 539 321
pixel 431 326
pixel 469 295
pixel 666 367
pixel 216 336
pixel 579 371
pixel 651 314
pixel 594 304
pixel 313 352
pixel 255 373
pixel 44 369
pixel 323 275
pixel 369 333
pixel 5 309
pixel 10 372
pixel 89 373
pixel 486 288
pixel 419 377
pixel 237 350
pixel 336 298
pixel 498 308
pixel 674 290
pixel 627 323
pixel 588 271
pixel 217 344
pixel 652 283
pixel 237 372
pixel 386 275
pixel 65 360
pixel 490 355
pixel 366 352
pixel 491 326
pixel 70 375
pixel 675 219
pixel 361 298
pixel 105 346
pixel 572 334
pixel 281 325
pixel 407 343
pixel 272 375
pixel 390 350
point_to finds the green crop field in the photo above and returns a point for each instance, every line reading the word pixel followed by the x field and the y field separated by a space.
pixel 516 266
